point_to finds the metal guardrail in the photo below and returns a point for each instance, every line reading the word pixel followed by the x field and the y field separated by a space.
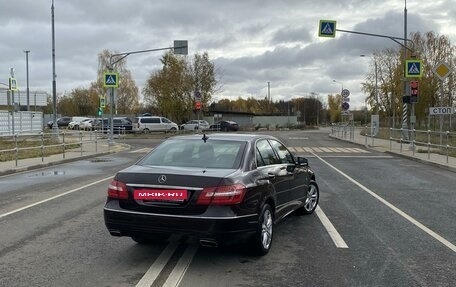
pixel 342 130
pixel 441 142
pixel 65 141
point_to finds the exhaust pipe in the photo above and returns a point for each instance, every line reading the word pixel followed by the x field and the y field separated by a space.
pixel 207 242
pixel 115 232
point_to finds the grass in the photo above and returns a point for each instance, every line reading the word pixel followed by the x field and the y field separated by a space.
pixel 31 148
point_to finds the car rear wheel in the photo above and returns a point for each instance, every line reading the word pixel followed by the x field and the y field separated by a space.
pixel 261 241
pixel 312 196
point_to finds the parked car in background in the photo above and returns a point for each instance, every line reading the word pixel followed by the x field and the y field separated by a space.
pixel 195 125
pixel 154 124
pixel 224 126
pixel 90 124
pixel 120 125
pixel 220 188
pixel 61 122
pixel 76 122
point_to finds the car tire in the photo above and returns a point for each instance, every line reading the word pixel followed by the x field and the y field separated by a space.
pixel 312 197
pixel 173 130
pixel 261 242
pixel 146 131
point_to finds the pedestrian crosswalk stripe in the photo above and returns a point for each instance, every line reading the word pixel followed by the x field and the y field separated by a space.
pixel 326 150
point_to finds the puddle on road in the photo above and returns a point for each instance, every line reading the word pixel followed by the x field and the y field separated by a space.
pixel 49 173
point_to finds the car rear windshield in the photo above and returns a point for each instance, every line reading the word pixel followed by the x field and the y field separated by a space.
pixel 221 154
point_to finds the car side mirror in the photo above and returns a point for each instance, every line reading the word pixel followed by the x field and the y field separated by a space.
pixel 302 161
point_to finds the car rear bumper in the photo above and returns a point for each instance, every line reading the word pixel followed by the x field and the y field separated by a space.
pixel 228 229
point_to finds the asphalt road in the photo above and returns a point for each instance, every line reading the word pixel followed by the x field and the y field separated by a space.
pixel 383 221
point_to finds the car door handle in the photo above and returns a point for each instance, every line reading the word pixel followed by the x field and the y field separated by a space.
pixel 271 175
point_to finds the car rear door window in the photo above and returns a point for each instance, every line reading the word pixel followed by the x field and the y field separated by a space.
pixel 267 153
pixel 284 155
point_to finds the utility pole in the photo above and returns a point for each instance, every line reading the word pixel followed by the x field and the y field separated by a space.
pixel 27 75
pixel 404 105
pixel 55 128
pixel 269 96
pixel 13 110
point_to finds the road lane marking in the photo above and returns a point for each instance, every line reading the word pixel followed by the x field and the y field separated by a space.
pixel 394 208
pixel 141 150
pixel 181 267
pixel 151 275
pixel 54 197
pixel 335 236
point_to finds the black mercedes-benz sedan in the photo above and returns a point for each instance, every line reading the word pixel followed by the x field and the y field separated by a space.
pixel 221 188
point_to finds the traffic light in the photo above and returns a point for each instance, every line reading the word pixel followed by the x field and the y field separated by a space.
pixel 100 111
pixel 414 91
pixel 102 101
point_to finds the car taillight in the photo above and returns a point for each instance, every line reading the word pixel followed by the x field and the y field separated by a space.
pixel 117 189
pixel 222 195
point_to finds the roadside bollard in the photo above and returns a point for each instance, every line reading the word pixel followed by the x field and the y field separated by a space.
pixel 42 146
pixel 15 148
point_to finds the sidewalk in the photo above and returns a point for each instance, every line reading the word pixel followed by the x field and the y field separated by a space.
pixel 397 148
pixel 89 150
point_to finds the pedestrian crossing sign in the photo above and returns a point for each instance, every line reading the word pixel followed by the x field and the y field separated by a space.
pixel 111 80
pixel 327 28
pixel 413 68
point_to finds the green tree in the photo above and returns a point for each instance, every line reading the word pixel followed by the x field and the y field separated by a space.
pixel 171 90
pixel 432 49
pixel 127 99
pixel 334 104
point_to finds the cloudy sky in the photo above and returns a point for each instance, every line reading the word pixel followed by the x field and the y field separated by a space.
pixel 252 42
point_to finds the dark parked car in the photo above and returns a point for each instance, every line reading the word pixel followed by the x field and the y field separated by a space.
pixel 120 125
pixel 220 188
pixel 61 122
pixel 224 126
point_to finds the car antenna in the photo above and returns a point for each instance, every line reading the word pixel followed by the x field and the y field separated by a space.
pixel 205 138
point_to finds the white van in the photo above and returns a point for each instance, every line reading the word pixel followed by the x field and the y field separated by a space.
pixel 154 124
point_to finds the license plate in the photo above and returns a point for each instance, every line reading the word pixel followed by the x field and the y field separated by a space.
pixel 161 194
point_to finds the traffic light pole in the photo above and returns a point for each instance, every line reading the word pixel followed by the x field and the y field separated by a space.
pixel 180 47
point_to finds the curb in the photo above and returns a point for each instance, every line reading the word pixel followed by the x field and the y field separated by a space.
pixel 62 161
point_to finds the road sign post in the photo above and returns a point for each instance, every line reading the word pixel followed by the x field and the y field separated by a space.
pixel 442 70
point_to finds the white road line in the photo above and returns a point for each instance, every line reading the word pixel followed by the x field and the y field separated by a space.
pixel 54 197
pixel 151 275
pixel 181 267
pixel 394 208
pixel 335 236
pixel 292 149
pixel 141 150
pixel 299 149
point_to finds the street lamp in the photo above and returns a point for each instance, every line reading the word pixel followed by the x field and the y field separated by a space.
pixel 340 84
pixel 27 69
